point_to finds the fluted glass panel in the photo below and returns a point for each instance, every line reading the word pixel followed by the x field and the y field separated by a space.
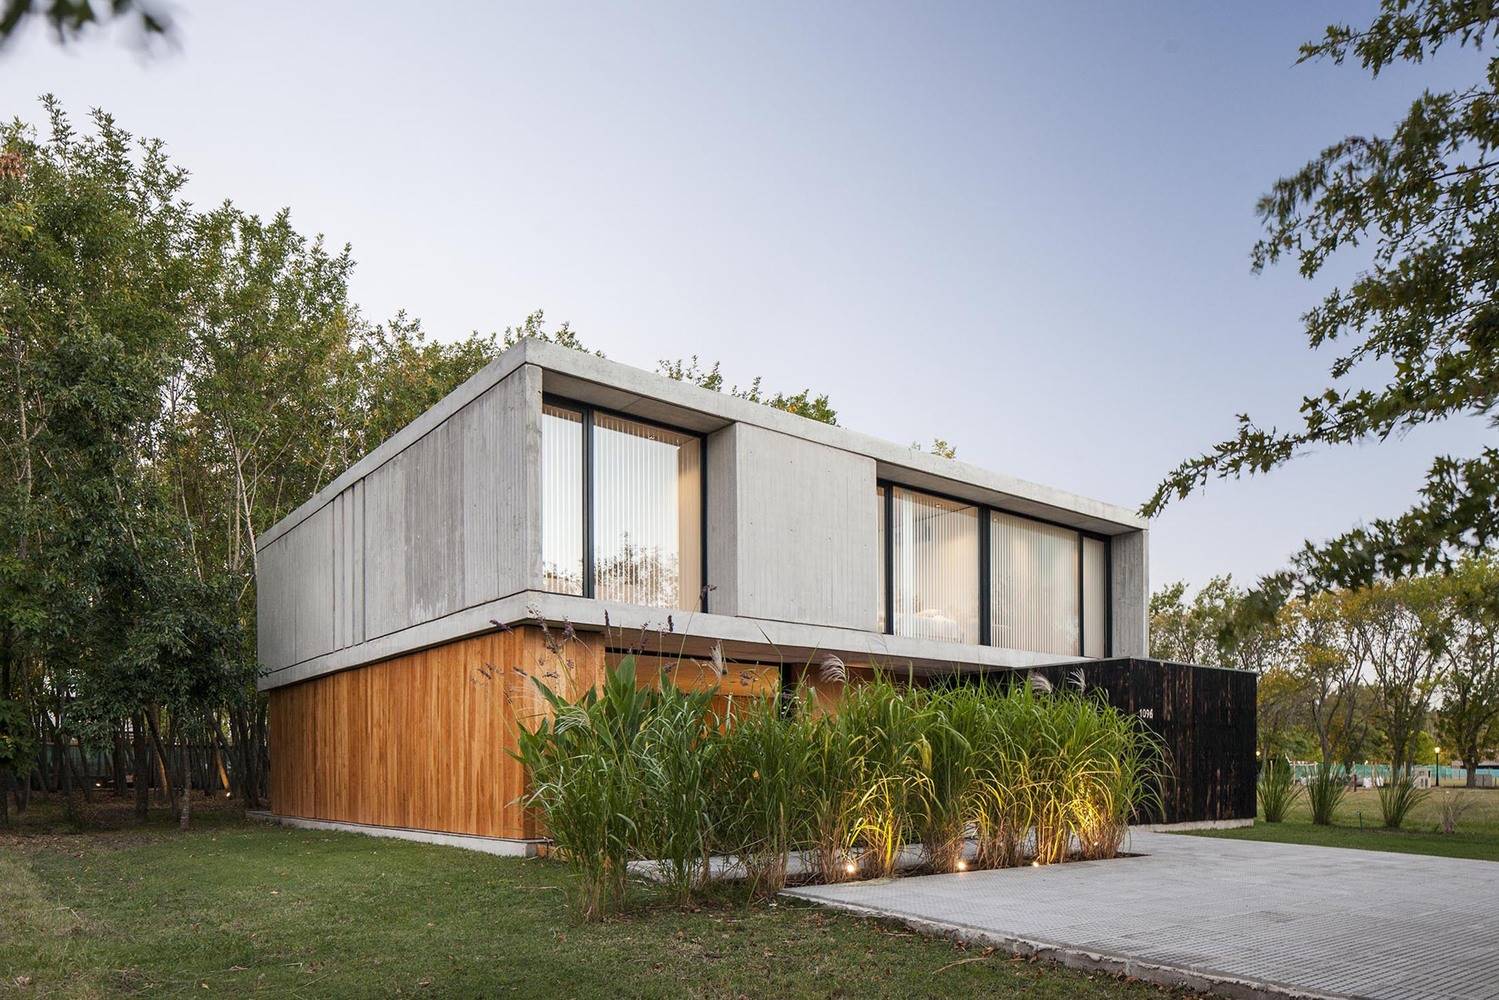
pixel 1033 585
pixel 561 499
pixel 936 567
pixel 647 510
pixel 1095 597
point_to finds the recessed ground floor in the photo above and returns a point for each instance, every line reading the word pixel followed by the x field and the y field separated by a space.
pixel 1238 917
pixel 423 742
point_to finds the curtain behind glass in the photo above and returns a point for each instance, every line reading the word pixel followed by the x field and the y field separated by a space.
pixel 647 509
pixel 936 585
pixel 1095 597
pixel 879 550
pixel 561 499
pixel 1033 585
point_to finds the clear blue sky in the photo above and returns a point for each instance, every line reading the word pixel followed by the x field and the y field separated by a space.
pixel 1024 228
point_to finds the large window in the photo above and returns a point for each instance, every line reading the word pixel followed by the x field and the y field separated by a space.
pixel 963 572
pixel 622 508
pixel 935 589
pixel 1033 589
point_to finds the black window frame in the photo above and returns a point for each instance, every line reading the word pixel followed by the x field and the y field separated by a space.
pixel 885 489
pixel 586 412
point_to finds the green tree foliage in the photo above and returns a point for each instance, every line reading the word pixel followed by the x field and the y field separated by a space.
pixel 175 381
pixel 1419 322
pixel 803 403
pixel 1217 627
pixel 1469 688
pixel 707 376
pixel 70 18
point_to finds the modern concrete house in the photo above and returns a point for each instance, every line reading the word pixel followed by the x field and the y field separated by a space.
pixel 401 609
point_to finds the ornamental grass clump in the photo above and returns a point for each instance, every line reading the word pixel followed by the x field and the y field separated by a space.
pixel 1396 800
pixel 945 803
pixel 892 756
pixel 1324 793
pixel 632 772
pixel 1277 789
pixel 678 760
pixel 763 762
pixel 584 758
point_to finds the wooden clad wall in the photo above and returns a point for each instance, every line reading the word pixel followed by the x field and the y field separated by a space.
pixel 740 683
pixel 1205 716
pixel 420 741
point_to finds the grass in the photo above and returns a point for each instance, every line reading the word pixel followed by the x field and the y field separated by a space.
pixel 235 907
pixel 1357 823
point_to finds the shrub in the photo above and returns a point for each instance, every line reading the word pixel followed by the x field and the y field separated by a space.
pixel 1397 799
pixel 1277 789
pixel 1324 793
pixel 1451 806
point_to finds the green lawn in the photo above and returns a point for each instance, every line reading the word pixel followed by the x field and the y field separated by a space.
pixel 1357 824
pixel 236 907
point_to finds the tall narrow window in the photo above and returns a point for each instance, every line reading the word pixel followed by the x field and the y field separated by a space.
pixel 1095 597
pixel 1033 586
pixel 879 550
pixel 647 513
pixel 561 499
pixel 935 544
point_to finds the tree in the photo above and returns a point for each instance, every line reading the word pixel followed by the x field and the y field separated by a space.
pixel 70 18
pixel 1281 708
pixel 1328 676
pixel 1217 627
pixel 1469 688
pixel 1398 632
pixel 1420 322
pixel 803 403
pixel 91 293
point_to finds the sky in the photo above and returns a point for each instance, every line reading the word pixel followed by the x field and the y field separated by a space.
pixel 1022 228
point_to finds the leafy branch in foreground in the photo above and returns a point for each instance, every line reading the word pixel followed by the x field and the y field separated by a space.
pixel 1425 201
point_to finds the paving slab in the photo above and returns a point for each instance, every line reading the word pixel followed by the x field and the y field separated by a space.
pixel 1238 917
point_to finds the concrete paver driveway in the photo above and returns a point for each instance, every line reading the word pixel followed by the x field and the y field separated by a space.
pixel 1237 916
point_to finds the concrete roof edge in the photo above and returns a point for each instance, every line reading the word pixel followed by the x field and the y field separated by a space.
pixel 650 385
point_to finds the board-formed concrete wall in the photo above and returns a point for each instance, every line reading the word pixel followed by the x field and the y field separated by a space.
pixel 437 531
pixel 448 523
pixel 793 529
pixel 1129 589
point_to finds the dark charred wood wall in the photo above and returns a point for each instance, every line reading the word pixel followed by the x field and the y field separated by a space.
pixel 1205 716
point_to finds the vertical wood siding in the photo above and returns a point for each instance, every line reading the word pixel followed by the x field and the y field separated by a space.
pixel 1206 719
pixel 421 741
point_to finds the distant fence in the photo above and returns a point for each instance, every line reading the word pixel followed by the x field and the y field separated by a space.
pixel 1376 774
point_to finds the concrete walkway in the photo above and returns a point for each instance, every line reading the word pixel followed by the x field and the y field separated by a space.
pixel 1238 917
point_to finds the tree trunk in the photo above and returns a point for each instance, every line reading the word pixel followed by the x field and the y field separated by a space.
pixel 185 798
pixel 65 780
pixel 80 775
pixel 5 782
pixel 1471 764
pixel 121 762
pixel 161 755
pixel 218 760
pixel 142 768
